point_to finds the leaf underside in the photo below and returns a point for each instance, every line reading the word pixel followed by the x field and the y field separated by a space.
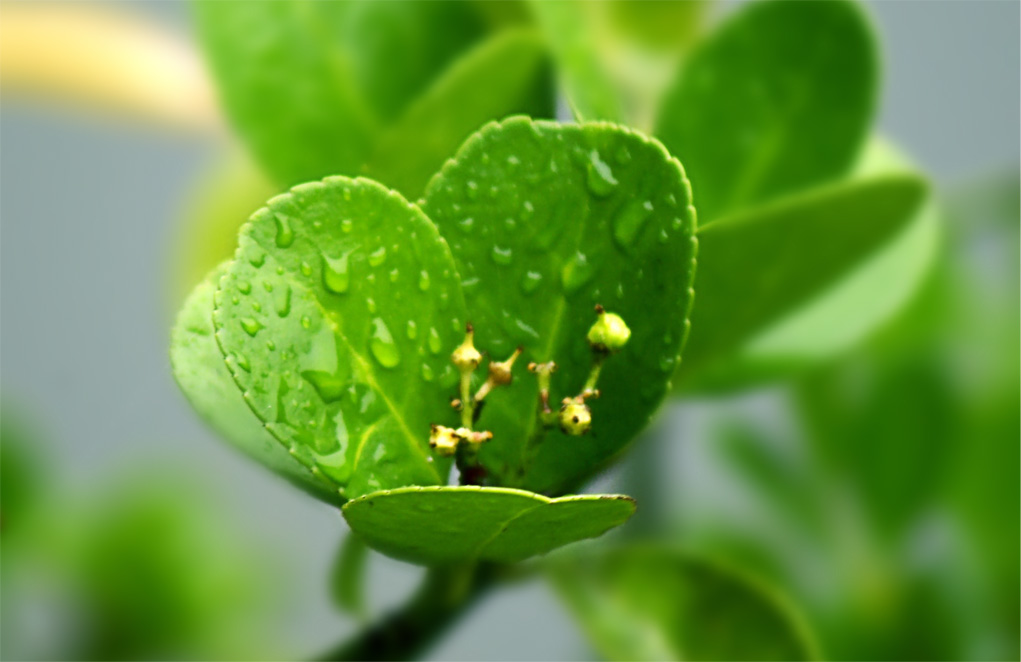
pixel 544 221
pixel 440 525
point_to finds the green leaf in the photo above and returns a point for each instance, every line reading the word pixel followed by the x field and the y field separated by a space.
pixel 760 265
pixel 546 220
pixel 852 308
pixel 348 581
pixel 588 86
pixel 337 318
pixel 463 99
pixel 656 603
pixel 312 87
pixel 441 525
pixel 202 375
pixel 778 99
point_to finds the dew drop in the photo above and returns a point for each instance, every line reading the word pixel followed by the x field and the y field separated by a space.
pixel 257 260
pixel 502 256
pixel 394 275
pixel 427 373
pixel 377 257
pixel 527 211
pixel 628 222
pixel 244 287
pixel 513 160
pixel 666 364
pixel 472 190
pixel 336 276
pixel 280 271
pixel 623 155
pixel 530 281
pixel 306 269
pixel 256 306
pixel 600 178
pixel 306 323
pixel 242 362
pixel 268 286
pixel 251 326
pixel 383 347
pixel 412 330
pixel 346 225
pixel 270 345
pixel 466 224
pixel 329 387
pixel 284 303
pixel 423 280
pixel 576 272
pixel 371 303
pixel 435 344
pixel 285 235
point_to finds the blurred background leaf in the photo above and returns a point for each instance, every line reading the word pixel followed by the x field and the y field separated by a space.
pixel 657 603
pixel 755 113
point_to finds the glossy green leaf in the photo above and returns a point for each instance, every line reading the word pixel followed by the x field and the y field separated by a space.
pixel 440 525
pixel 760 265
pixel 313 87
pixel 348 580
pixel 463 99
pixel 544 221
pixel 778 99
pixel 588 86
pixel 203 376
pixel 656 603
pixel 337 318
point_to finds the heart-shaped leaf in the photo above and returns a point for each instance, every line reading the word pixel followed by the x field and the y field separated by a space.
pixel 203 377
pixel 656 603
pixel 441 525
pixel 778 99
pixel 337 318
pixel 544 221
pixel 760 265
pixel 313 87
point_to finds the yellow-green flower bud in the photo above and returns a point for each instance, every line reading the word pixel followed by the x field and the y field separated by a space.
pixel 609 333
pixel 575 416
pixel 444 440
pixel 466 357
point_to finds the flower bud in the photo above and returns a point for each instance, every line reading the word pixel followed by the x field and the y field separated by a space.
pixel 609 333
pixel 466 357
pixel 444 440
pixel 575 416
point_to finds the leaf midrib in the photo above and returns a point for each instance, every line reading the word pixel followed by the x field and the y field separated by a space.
pixel 365 365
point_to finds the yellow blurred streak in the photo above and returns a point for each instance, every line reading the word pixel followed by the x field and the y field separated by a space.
pixel 85 56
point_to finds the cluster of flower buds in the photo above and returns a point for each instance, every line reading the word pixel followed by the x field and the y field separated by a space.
pixel 607 336
pixel 444 440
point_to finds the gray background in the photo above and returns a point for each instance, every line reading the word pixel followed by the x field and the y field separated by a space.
pixel 88 207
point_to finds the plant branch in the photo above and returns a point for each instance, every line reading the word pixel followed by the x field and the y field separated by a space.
pixel 407 633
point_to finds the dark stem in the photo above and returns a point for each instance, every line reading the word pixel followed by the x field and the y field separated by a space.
pixel 407 633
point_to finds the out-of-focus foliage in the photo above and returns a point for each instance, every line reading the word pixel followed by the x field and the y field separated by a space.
pixel 762 264
pixel 450 525
pixel 757 113
pixel 646 602
pixel 316 88
pixel 846 311
pixel 545 221
pixel 143 569
pixel 616 58
pixel 885 500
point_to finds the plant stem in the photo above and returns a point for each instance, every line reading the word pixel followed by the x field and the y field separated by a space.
pixel 405 634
